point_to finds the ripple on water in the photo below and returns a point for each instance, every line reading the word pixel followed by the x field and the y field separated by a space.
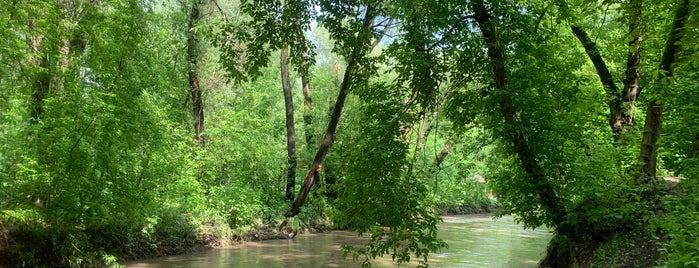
pixel 474 241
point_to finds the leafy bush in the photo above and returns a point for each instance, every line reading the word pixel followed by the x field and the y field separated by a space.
pixel 681 226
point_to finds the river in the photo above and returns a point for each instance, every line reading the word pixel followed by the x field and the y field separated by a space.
pixel 474 241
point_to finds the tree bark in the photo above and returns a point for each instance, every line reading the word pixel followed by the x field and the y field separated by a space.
pixel 42 79
pixel 695 147
pixel 618 118
pixel 49 77
pixel 654 114
pixel 439 159
pixel 633 62
pixel 443 154
pixel 193 51
pixel 545 190
pixel 307 110
pixel 327 141
pixel 290 129
pixel 42 82
pixel 419 142
pixel 308 120
pixel 649 143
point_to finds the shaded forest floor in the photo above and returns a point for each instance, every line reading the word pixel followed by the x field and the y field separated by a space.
pixel 638 239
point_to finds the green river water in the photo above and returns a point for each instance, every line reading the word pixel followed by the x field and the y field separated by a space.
pixel 474 241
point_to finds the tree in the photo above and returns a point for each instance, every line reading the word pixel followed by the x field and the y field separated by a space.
pixel 355 50
pixel 105 142
pixel 274 25
pixel 96 148
pixel 654 114
pixel 620 117
pixel 53 45
pixel 545 191
pixel 193 51
pixel 307 109
pixel 290 128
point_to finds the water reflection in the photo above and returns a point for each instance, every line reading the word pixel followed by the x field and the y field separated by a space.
pixel 478 241
pixel 474 241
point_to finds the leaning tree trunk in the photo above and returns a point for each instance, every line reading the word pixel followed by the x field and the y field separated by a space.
pixel 439 159
pixel 308 119
pixel 419 142
pixel 446 149
pixel 327 141
pixel 545 191
pixel 193 51
pixel 620 116
pixel 290 130
pixel 654 113
pixel 617 116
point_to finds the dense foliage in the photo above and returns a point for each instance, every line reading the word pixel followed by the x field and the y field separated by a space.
pixel 572 111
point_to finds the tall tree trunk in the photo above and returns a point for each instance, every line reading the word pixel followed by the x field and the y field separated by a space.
pixel 42 79
pixel 549 200
pixel 290 130
pixel 308 123
pixel 327 141
pixel 42 82
pixel 193 51
pixel 65 26
pixel 307 110
pixel 633 61
pixel 694 153
pixel 617 116
pixel 654 113
pixel 419 142
pixel 48 77
pixel 649 143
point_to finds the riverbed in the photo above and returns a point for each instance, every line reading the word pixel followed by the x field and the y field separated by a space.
pixel 474 241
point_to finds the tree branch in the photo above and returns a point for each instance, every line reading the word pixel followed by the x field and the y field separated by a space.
pixel 218 7
pixel 633 62
pixel 383 33
pixel 648 155
pixel 617 117
pixel 329 136
pixel 549 200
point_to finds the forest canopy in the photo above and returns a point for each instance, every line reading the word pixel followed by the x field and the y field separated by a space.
pixel 137 128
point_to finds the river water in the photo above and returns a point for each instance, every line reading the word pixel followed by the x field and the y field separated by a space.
pixel 474 241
